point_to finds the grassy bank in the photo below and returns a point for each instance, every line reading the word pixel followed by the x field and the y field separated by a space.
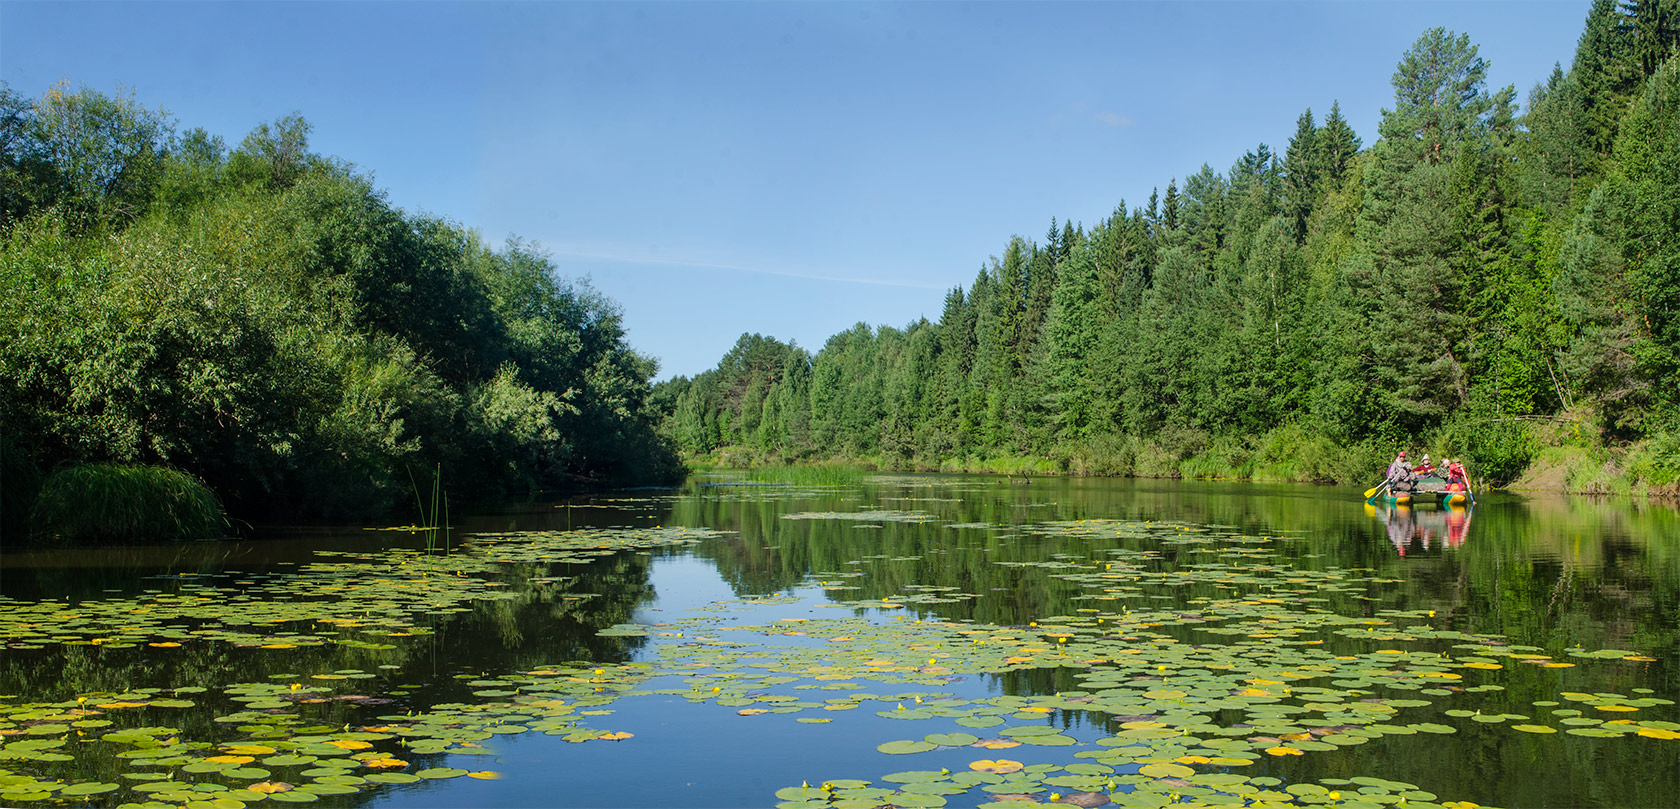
pixel 1560 455
pixel 1571 456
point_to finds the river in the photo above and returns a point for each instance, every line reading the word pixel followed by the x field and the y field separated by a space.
pixel 904 641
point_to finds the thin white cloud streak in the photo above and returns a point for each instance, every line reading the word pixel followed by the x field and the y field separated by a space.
pixel 1113 120
pixel 677 262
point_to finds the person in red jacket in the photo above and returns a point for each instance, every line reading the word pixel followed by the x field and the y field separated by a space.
pixel 1457 480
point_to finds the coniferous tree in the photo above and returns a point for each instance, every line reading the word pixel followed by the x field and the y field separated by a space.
pixel 1421 328
pixel 1303 165
pixel 1169 206
pixel 1338 144
pixel 1560 158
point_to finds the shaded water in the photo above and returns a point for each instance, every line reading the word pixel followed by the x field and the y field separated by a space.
pixel 908 570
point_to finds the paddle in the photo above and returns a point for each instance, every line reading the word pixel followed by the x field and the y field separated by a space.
pixel 1371 493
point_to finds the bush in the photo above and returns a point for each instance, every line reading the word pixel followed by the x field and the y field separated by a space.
pixel 1103 455
pixel 1496 450
pixel 1655 462
pixel 104 502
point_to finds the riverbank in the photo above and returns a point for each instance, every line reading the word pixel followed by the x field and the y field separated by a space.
pixel 1562 456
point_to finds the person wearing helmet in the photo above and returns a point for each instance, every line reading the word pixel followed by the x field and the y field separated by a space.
pixel 1424 469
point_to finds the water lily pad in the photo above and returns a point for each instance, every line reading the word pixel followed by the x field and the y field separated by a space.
pixel 1163 770
pixel 295 796
pixel 88 788
pixel 904 747
pixel 951 739
pixel 441 772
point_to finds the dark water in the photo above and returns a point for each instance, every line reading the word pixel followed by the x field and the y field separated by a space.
pixel 1565 576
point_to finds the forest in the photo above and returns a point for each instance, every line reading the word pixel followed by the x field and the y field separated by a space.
pixel 265 322
pixel 260 329
pixel 1491 280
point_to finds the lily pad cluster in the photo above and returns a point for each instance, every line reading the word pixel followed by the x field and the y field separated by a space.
pixel 1197 655
pixel 371 595
pixel 1007 784
pixel 269 748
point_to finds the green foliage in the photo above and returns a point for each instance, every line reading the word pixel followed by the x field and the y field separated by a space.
pixel 1655 462
pixel 95 157
pixel 20 481
pixel 267 321
pixel 125 503
pixel 1498 450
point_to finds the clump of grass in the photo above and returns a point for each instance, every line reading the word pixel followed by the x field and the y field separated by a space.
pixel 105 502
pixel 809 475
pixel 1106 455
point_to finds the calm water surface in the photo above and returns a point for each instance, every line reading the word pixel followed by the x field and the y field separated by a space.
pixel 1593 587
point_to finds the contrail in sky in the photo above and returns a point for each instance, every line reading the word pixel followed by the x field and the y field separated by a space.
pixel 672 262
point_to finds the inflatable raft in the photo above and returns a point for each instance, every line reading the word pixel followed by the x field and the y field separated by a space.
pixel 1426 490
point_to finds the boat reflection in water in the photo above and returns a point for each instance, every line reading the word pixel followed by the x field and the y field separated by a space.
pixel 1429 527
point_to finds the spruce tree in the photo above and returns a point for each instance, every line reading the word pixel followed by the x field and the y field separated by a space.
pixel 1302 167
pixel 1338 144
pixel 1169 206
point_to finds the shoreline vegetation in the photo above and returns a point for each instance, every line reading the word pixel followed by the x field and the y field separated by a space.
pixel 1489 281
pixel 191 328
pixel 1562 467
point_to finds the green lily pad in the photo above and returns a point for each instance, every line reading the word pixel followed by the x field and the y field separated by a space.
pixel 916 776
pixel 294 796
pixel 88 788
pixel 952 739
pixel 441 772
pixel 904 747
pixel 1165 770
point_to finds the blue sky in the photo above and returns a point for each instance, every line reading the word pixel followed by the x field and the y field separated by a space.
pixel 782 168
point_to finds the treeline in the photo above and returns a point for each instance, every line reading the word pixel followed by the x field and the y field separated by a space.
pixel 263 318
pixel 1483 280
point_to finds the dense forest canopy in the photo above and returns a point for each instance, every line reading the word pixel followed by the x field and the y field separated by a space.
pixel 265 319
pixel 1493 281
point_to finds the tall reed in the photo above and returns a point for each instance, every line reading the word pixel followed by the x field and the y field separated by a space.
pixel 427 515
